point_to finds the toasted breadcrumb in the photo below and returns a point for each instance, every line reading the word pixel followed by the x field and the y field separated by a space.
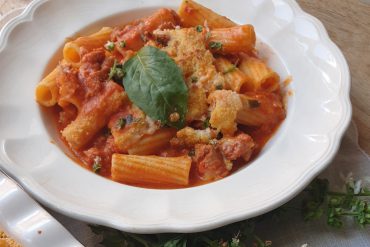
pixel 5 241
pixel 189 137
pixel 188 49
pixel 225 105
pixel 197 103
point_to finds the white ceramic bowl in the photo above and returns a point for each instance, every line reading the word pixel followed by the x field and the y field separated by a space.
pixel 295 43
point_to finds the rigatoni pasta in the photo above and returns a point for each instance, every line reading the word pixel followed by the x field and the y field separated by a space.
pixel 47 90
pixel 152 144
pixel 135 169
pixel 262 77
pixel 260 109
pixel 171 100
pixel 193 14
pixel 94 116
pixel 72 50
pixel 235 80
pixel 232 40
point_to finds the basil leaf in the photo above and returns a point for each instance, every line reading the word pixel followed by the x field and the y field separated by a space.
pixel 155 84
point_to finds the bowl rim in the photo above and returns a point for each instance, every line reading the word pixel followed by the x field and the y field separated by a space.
pixel 336 135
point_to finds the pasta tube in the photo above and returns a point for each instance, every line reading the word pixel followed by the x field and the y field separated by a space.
pixel 151 144
pixel 94 116
pixel 260 109
pixel 235 80
pixel 251 113
pixel 72 49
pixel 193 14
pixel 137 169
pixel 47 90
pixel 136 35
pixel 232 40
pixel 262 77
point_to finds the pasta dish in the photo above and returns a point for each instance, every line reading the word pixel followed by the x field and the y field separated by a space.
pixel 171 100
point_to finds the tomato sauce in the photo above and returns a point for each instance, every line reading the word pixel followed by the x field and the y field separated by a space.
pixel 103 146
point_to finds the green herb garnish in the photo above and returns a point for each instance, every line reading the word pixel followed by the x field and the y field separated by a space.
pixel 229 70
pixel 199 28
pixel 116 72
pixel 194 79
pixel 155 84
pixel 206 123
pixel 317 202
pixel 337 205
pixel 121 123
pixel 122 44
pixel 191 152
pixel 109 46
pixel 219 87
pixel 112 71
pixel 97 164
pixel 254 103
pixel 215 45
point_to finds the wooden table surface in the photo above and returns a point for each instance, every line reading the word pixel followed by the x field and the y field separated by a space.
pixel 348 24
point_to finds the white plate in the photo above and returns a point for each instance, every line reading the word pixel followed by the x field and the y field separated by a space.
pixel 27 222
pixel 318 113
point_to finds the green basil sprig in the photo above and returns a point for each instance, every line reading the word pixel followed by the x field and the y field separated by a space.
pixel 155 84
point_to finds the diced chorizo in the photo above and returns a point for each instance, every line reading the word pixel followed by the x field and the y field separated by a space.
pixel 238 146
pixel 189 137
pixel 94 70
pixel 209 162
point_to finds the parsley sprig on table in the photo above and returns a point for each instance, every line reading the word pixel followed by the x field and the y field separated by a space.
pixel 337 205
pixel 318 202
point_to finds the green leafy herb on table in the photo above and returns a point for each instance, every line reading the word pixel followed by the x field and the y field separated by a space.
pixel 317 202
pixel 155 84
pixel 239 234
pixel 337 205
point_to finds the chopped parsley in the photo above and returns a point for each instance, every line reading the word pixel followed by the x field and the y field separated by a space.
pixel 194 79
pixel 254 103
pixel 206 123
pixel 219 87
pixel 116 72
pixel 122 44
pixel 120 73
pixel 191 152
pixel 121 123
pixel 199 28
pixel 229 70
pixel 112 70
pixel 97 164
pixel 215 45
pixel 109 46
